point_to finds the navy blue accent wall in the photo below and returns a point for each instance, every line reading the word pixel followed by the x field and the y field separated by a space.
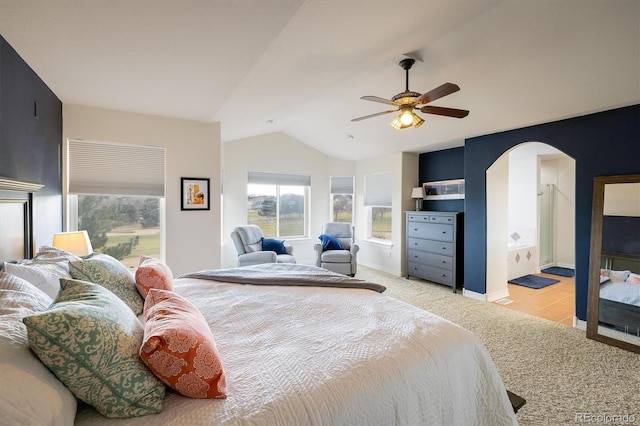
pixel 442 165
pixel 602 144
pixel 31 138
pixel 621 234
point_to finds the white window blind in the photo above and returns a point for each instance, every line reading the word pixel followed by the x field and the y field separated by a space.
pixel 342 185
pixel 115 169
pixel 377 190
pixel 264 178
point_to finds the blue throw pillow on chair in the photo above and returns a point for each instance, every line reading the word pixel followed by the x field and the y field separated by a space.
pixel 330 242
pixel 271 244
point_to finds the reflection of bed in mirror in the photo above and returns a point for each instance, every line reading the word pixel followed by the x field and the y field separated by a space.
pixel 620 293
pixel 615 246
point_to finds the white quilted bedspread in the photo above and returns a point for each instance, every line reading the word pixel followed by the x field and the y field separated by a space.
pixel 326 356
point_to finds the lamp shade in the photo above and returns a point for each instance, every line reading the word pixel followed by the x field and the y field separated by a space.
pixel 417 192
pixel 76 242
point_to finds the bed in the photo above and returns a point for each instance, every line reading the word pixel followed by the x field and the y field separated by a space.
pixel 619 306
pixel 323 351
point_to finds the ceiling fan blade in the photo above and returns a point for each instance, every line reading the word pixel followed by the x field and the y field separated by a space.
pixel 374 115
pixel 379 99
pixel 449 112
pixel 437 93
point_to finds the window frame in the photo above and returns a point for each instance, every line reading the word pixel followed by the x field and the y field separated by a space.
pixel 278 181
pixel 379 197
pixel 149 157
pixel 338 186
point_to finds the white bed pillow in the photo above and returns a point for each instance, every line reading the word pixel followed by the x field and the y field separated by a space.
pixel 44 275
pixel 31 394
pixel 47 253
pixel 618 276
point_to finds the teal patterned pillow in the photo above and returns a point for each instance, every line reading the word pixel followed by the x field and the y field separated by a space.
pixel 111 274
pixel 90 340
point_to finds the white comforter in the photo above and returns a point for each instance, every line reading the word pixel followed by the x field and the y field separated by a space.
pixel 322 356
pixel 622 292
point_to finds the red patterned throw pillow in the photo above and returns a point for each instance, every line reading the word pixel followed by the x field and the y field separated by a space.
pixel 152 273
pixel 178 346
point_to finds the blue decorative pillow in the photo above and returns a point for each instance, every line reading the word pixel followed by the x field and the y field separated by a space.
pixel 271 244
pixel 330 243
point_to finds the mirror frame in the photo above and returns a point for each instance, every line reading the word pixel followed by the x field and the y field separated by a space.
pixel 595 260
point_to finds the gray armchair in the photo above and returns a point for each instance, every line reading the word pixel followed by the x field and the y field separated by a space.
pixel 248 242
pixel 343 261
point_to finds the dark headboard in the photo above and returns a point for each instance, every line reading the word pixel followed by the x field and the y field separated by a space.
pixel 621 262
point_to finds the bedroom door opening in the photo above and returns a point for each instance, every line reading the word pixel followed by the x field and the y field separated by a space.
pixel 530 224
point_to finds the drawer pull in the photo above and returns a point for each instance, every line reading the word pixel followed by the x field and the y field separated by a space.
pixel 444 248
pixel 444 232
pixel 443 261
pixel 442 275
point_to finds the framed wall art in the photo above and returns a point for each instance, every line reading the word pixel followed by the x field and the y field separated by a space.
pixel 444 189
pixel 194 193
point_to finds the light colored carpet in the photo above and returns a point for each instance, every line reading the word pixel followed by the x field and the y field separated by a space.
pixel 561 373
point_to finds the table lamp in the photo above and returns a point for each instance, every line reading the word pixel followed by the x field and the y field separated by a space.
pixel 418 194
pixel 76 242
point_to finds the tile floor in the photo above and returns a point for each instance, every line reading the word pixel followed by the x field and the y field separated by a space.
pixel 555 302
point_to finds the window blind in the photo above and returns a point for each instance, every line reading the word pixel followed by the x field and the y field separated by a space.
pixel 115 169
pixel 377 190
pixel 264 178
pixel 342 185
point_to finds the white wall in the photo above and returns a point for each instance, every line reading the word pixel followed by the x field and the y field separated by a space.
pixel 497 228
pixel 278 153
pixel 523 184
pixel 622 199
pixel 409 180
pixel 382 255
pixel 192 150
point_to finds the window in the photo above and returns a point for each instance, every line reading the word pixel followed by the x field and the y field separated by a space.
pixel 342 198
pixel 377 199
pixel 277 203
pixel 116 194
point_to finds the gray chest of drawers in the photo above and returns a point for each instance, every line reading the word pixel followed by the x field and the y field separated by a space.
pixel 434 247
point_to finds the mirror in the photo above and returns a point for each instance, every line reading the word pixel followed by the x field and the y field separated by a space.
pixel 613 306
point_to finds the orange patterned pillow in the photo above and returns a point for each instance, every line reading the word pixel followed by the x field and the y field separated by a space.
pixel 152 273
pixel 178 346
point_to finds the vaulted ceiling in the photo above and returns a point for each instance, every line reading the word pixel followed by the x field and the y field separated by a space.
pixel 300 66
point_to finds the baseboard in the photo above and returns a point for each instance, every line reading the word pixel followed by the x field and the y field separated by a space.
pixel 579 324
pixel 497 295
pixel 379 268
pixel 473 295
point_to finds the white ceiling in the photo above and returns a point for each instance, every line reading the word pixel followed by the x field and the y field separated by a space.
pixel 300 66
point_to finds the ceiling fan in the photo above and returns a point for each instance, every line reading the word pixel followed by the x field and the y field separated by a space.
pixel 407 101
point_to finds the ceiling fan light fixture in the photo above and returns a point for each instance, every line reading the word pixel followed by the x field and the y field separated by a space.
pixel 406 117
pixel 397 123
pixel 417 120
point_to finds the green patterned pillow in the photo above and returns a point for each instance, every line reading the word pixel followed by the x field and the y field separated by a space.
pixel 90 340
pixel 111 274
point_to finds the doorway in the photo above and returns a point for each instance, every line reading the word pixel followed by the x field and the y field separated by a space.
pixel 530 226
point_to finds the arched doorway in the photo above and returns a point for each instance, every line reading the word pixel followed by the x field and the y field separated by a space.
pixel 530 219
